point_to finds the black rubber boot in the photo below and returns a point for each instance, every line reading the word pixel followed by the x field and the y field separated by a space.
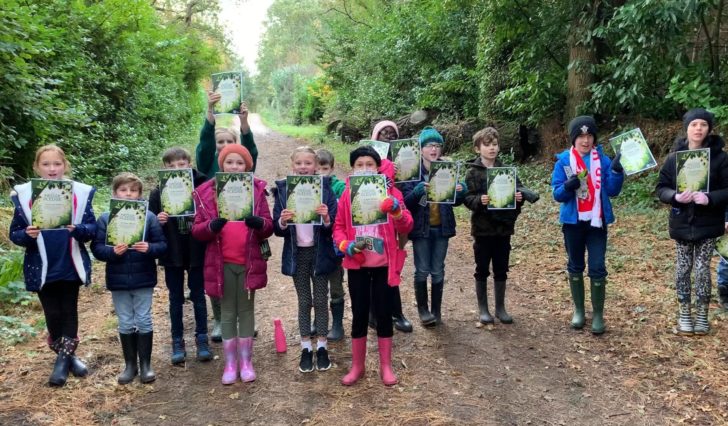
pixel 146 374
pixel 77 368
pixel 129 348
pixel 426 317
pixel 482 293
pixel 337 321
pixel 65 347
pixel 500 303
pixel 437 300
pixel 399 321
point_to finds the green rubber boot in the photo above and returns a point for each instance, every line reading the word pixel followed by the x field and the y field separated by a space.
pixel 576 283
pixel 598 293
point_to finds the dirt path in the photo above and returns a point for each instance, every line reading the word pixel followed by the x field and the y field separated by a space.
pixel 536 371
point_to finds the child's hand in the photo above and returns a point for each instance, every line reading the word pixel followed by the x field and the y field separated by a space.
pixel 323 210
pixel 684 197
pixel 519 196
pixel 484 199
pixel 254 222
pixel 572 184
pixel 217 224
pixel 71 228
pixel 700 198
pixel 120 249
pixel 243 114
pixel 212 99
pixel 287 216
pixel 32 231
pixel 141 246
pixel 420 189
pixel 162 217
pixel 458 188
pixel 390 205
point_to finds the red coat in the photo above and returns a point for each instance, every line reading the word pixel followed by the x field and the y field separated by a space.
pixel 344 230
pixel 255 265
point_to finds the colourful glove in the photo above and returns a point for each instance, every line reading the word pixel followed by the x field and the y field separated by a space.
pixel 390 205
pixel 419 189
pixel 353 250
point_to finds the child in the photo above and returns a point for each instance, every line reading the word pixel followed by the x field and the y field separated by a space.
pixel 56 262
pixel 234 262
pixel 184 253
pixel 585 213
pixel 131 275
pixel 434 224
pixel 491 229
pixel 696 218
pixel 336 278
pixel 308 255
pixel 371 273
pixel 387 131
pixel 212 141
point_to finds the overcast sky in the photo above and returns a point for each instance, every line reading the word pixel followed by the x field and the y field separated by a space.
pixel 244 23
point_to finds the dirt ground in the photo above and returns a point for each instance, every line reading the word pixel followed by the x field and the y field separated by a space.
pixel 536 371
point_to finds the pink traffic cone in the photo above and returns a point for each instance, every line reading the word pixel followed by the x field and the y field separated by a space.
pixel 280 336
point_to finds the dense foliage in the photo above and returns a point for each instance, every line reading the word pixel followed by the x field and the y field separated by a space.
pixel 111 82
pixel 521 60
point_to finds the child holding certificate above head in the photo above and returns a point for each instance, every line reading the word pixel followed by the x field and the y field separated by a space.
pixel 184 253
pixel 56 263
pixel 491 225
pixel 372 257
pixel 583 181
pixel 303 214
pixel 131 271
pixel 434 225
pixel 694 182
pixel 235 262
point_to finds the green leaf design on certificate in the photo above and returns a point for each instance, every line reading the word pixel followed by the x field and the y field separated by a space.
pixel 304 196
pixel 176 186
pixel 230 87
pixel 234 195
pixel 367 194
pixel 501 188
pixel 51 203
pixel 406 154
pixel 693 170
pixel 127 222
pixel 636 154
pixel 443 181
pixel 381 147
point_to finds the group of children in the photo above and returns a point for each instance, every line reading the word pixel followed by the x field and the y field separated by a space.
pixel 227 261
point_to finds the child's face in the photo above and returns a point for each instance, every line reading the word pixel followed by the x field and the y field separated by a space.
pixel 698 130
pixel 128 191
pixel 324 169
pixel 234 163
pixel 222 139
pixel 431 151
pixel 488 150
pixel 364 164
pixel 50 165
pixel 178 164
pixel 584 143
pixel 304 163
pixel 387 134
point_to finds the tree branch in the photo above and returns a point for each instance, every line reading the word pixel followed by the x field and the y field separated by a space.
pixel 528 18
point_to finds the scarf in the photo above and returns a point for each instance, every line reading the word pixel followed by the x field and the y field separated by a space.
pixel 589 201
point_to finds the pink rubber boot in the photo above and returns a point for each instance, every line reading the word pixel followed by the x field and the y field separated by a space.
pixel 358 358
pixel 230 372
pixel 245 352
pixel 385 361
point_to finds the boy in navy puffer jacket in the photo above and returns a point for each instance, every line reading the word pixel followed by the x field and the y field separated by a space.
pixel 131 274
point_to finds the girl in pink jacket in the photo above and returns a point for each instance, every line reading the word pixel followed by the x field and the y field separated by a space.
pixel 371 271
pixel 234 264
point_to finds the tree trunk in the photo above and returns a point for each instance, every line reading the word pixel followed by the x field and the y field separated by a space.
pixel 582 58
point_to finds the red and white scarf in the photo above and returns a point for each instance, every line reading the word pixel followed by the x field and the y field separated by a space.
pixel 589 205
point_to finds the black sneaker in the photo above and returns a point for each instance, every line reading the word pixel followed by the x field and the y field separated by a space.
pixel 323 362
pixel 306 364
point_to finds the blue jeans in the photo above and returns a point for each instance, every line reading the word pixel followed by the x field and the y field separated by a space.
pixel 430 256
pixel 174 277
pixel 723 273
pixel 580 239
pixel 134 309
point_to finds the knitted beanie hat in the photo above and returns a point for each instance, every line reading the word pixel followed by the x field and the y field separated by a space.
pixel 430 135
pixel 381 125
pixel 582 125
pixel 364 151
pixel 233 148
pixel 698 114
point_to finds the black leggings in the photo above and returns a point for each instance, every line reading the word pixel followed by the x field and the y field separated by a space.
pixel 369 286
pixel 60 306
